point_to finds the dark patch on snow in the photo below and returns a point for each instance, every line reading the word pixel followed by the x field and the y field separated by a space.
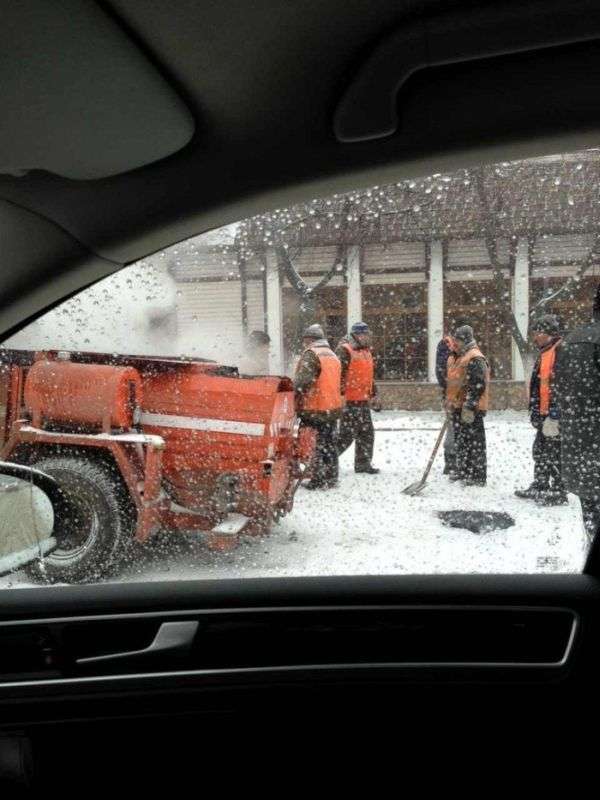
pixel 477 521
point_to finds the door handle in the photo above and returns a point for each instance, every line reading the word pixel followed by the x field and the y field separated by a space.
pixel 171 637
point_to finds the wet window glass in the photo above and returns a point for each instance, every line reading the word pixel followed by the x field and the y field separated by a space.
pixel 400 379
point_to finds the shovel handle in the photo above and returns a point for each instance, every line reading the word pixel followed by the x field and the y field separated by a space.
pixel 435 449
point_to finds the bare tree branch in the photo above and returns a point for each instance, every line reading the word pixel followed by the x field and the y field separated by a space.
pixel 491 240
pixel 341 257
pixel 291 273
pixel 302 288
pixel 572 282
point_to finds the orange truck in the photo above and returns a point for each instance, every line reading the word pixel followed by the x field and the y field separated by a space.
pixel 140 445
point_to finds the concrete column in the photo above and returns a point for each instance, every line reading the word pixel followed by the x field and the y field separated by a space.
pixel 520 303
pixel 354 300
pixel 435 306
pixel 274 316
pixel 244 295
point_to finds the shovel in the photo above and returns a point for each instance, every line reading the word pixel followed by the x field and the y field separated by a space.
pixel 417 486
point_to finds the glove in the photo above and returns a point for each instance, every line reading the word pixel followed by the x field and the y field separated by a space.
pixel 550 428
pixel 467 416
pixel 375 404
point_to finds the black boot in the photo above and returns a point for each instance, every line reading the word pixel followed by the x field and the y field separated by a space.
pixel 313 484
pixel 530 493
pixel 368 470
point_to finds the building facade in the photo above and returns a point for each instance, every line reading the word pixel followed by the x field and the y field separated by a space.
pixel 449 248
pixel 407 292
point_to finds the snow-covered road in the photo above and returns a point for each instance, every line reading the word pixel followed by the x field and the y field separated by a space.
pixel 367 526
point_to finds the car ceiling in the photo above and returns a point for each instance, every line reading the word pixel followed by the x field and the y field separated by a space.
pixel 262 81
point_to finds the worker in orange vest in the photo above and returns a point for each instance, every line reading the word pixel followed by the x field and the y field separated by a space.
pixel 317 385
pixel 547 488
pixel 443 351
pixel 467 398
pixel 360 394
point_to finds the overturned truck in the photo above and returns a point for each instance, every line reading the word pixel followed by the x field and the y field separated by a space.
pixel 141 445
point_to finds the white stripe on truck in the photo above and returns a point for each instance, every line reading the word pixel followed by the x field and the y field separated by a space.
pixel 202 424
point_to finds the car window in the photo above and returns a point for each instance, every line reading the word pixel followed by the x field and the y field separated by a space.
pixel 398 379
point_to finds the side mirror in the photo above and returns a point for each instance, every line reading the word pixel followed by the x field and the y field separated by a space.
pixel 28 499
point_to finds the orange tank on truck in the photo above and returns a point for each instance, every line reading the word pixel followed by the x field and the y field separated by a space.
pixel 95 395
pixel 143 444
pixel 215 424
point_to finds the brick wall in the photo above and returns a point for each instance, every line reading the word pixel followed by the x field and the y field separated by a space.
pixel 427 396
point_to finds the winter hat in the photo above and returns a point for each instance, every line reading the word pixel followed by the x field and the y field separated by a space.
pixel 464 333
pixel 359 327
pixel 458 322
pixel 547 323
pixel 313 332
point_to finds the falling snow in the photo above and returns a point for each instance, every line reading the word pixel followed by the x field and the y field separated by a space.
pixel 533 221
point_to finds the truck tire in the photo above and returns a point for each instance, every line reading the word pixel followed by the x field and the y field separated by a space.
pixel 94 526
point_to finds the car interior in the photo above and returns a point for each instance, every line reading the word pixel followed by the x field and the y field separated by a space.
pixel 129 126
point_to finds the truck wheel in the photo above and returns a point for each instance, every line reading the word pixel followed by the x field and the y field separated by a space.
pixel 93 526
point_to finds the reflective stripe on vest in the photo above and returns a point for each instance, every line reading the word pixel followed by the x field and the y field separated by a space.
pixel 547 360
pixel 456 391
pixel 359 378
pixel 325 393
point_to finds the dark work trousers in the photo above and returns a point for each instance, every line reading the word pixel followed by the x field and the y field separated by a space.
pixel 546 463
pixel 449 450
pixel 591 514
pixel 324 467
pixel 471 454
pixel 357 426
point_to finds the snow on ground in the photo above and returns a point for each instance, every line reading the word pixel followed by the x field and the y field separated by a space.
pixel 367 526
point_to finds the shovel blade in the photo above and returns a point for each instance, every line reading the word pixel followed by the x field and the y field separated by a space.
pixel 414 488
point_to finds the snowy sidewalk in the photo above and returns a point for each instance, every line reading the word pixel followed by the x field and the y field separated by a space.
pixel 367 526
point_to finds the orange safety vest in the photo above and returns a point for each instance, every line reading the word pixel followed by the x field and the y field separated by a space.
pixel 359 378
pixel 325 393
pixel 547 360
pixel 456 390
